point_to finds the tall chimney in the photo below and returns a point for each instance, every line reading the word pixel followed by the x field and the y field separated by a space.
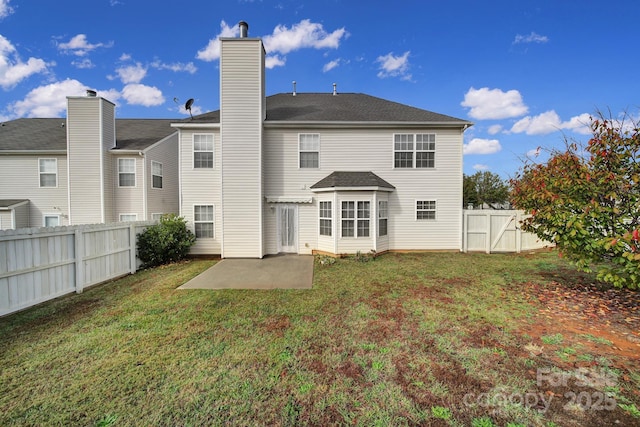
pixel 244 29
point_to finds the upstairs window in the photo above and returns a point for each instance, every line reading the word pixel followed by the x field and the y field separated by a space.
pixel 156 174
pixel 325 219
pixel 309 150
pixel 48 169
pixel 414 151
pixel 127 172
pixel 425 209
pixel 203 151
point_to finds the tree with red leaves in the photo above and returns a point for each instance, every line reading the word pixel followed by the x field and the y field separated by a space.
pixel 587 201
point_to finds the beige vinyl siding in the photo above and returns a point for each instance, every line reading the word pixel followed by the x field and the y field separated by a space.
pixel 90 127
pixel 165 199
pixel 242 112
pixel 372 150
pixel 25 184
pixel 201 187
pixel 129 200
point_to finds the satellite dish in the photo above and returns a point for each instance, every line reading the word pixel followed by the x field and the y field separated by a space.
pixel 188 105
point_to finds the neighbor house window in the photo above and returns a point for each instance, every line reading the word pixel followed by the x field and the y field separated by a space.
pixel 203 221
pixel 309 148
pixel 48 172
pixel 325 218
pixel 156 216
pixel 203 151
pixel 355 219
pixel 383 216
pixel 156 174
pixel 128 217
pixel 425 209
pixel 51 220
pixel 127 172
pixel 414 150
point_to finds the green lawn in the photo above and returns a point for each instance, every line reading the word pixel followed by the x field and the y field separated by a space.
pixel 406 339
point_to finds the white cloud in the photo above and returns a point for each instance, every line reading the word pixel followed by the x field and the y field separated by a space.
pixel 549 122
pixel 211 52
pixel 533 153
pixel 394 66
pixel 139 94
pixel 304 34
pixel 176 66
pixel 531 38
pixel 12 69
pixel 132 73
pixel 79 46
pixel 482 146
pixel 272 61
pixel 49 100
pixel 480 167
pixel 488 103
pixel 84 63
pixel 5 9
pixel 330 65
pixel 494 129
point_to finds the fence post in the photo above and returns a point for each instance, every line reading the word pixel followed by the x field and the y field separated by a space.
pixel 79 252
pixel 487 215
pixel 518 232
pixel 132 248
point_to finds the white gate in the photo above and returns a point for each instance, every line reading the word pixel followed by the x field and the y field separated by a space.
pixel 497 231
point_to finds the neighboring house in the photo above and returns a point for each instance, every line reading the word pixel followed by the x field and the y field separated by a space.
pixel 89 168
pixel 316 172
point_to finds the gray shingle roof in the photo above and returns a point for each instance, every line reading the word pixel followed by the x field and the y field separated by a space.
pixel 352 179
pixel 35 134
pixel 344 107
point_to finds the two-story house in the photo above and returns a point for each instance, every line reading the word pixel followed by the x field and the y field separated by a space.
pixel 316 172
pixel 88 168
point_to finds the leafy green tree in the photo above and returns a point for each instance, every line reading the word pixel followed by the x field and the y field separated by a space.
pixel 168 241
pixel 586 199
pixel 484 187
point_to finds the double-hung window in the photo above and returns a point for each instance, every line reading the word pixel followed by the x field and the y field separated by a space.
pixel 425 209
pixel 156 174
pixel 128 217
pixel 127 172
pixel 203 151
pixel 325 218
pixel 309 150
pixel 48 169
pixel 414 151
pixel 355 218
pixel 203 221
pixel 383 217
pixel 51 220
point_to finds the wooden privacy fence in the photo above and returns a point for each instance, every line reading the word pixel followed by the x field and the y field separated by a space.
pixel 39 264
pixel 497 231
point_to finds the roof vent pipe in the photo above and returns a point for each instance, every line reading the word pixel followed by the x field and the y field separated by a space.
pixel 244 29
pixel 91 93
pixel 294 88
pixel 335 92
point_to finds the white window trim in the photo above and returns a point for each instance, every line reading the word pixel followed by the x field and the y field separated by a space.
pixel 330 218
pixel 415 207
pixel 51 215
pixel 212 151
pixel 135 175
pixel 40 172
pixel 161 175
pixel 135 215
pixel 415 150
pixel 213 221
pixel 356 218
pixel 306 151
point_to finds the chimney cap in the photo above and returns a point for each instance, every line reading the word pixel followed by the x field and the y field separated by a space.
pixel 244 29
pixel 91 93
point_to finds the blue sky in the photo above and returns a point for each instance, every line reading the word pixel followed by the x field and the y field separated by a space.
pixel 527 73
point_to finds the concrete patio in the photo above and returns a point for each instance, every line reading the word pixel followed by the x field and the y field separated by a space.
pixel 271 272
